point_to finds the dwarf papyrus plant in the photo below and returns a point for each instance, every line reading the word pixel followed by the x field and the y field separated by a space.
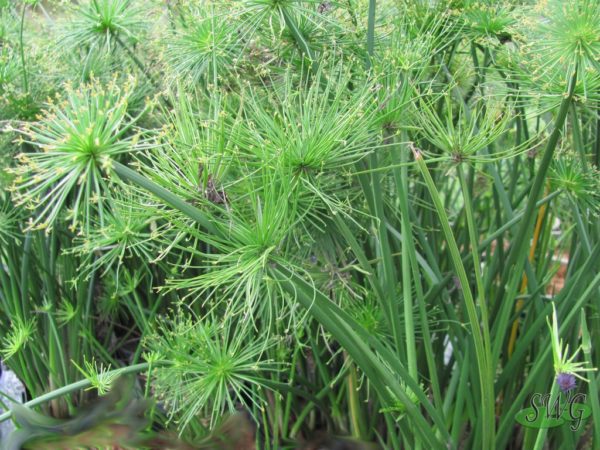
pixel 207 367
pixel 341 218
pixel 73 146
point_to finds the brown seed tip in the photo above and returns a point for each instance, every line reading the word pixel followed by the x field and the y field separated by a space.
pixel 416 152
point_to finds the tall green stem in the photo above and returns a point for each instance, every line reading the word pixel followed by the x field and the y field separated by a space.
pixel 586 345
pixel 486 380
pixel 473 234
pixel 543 431
pixel 523 234
pixel 518 253
pixel 371 32
pixel 22 50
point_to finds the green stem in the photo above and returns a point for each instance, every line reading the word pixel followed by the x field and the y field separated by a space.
pixel 486 379
pixel 523 234
pixel 171 199
pixel 22 50
pixel 409 268
pixel 143 69
pixel 518 255
pixel 388 272
pixel 299 38
pixel 371 32
pixel 543 431
pixel 578 138
pixel 408 252
pixel 289 398
pixel 473 234
pixel 356 419
pixel 597 141
pixel 586 345
pixel 584 235
pixel 73 387
pixel 26 270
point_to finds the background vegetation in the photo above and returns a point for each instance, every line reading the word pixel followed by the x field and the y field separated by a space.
pixel 343 218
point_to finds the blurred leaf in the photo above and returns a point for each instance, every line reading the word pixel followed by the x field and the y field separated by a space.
pixel 113 420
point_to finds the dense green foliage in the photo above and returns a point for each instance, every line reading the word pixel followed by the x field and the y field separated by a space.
pixel 345 218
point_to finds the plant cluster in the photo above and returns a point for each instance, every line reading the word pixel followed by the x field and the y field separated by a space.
pixel 321 219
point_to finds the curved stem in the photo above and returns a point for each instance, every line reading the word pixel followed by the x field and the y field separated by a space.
pixel 73 387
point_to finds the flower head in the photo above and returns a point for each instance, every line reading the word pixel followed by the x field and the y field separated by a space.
pixel 101 377
pixel 578 182
pixel 460 132
pixel 204 49
pixel 101 22
pixel 566 382
pixel 9 230
pixel 564 38
pixel 125 235
pixel 20 334
pixel 483 21
pixel 74 145
pixel 207 367
pixel 564 366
